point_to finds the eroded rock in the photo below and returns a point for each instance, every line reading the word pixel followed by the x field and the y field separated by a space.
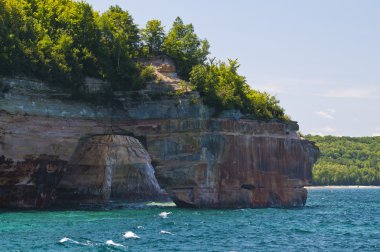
pixel 200 160
pixel 109 167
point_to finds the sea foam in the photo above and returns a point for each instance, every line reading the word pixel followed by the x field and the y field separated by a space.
pixel 112 243
pixel 164 214
pixel 130 234
pixel 66 239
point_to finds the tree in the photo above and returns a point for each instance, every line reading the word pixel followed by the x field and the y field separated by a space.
pixel 119 30
pixel 223 88
pixel 153 37
pixel 119 44
pixel 185 48
pixel 17 34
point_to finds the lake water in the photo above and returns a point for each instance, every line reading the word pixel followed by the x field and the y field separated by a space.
pixel 333 220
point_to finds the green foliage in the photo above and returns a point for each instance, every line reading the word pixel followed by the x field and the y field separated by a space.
pixel 148 73
pixel 64 41
pixel 185 48
pixel 153 37
pixel 15 30
pixel 347 160
pixel 119 44
pixel 223 88
pixel 184 87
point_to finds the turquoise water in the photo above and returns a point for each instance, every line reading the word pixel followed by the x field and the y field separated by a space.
pixel 333 220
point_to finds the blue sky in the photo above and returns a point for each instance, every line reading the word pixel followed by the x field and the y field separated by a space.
pixel 320 58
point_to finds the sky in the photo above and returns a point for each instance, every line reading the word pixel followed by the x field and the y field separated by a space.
pixel 320 58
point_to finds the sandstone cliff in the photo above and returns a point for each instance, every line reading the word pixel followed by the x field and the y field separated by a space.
pixel 92 154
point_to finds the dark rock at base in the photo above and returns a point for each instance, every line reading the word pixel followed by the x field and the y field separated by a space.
pixel 103 168
pixel 30 183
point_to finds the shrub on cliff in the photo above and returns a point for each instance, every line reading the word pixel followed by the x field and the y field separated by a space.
pixel 223 88
pixel 148 73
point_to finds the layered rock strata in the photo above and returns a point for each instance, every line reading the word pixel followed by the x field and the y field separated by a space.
pixel 200 160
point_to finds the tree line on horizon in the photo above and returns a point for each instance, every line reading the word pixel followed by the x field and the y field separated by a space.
pixel 347 160
pixel 64 41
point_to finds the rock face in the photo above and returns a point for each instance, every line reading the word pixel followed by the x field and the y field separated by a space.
pixel 108 167
pixel 102 168
pixel 106 153
pixel 234 164
pixel 30 183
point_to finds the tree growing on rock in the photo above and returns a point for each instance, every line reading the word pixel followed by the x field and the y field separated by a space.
pixel 119 44
pixel 153 37
pixel 222 87
pixel 185 48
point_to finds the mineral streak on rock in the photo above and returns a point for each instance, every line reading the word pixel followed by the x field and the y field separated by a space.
pixel 241 164
pixel 109 167
pixel 200 160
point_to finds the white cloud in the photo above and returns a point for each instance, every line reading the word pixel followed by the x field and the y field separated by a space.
pixel 328 113
pixel 270 88
pixel 317 87
pixel 351 93
pixel 324 115
pixel 323 131
pixel 287 85
pixel 376 134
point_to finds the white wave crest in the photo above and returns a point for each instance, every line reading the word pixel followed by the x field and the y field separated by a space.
pixel 164 214
pixel 112 243
pixel 130 234
pixel 166 232
pixel 65 239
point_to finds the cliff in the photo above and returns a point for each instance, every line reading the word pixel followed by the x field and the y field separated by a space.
pixel 59 152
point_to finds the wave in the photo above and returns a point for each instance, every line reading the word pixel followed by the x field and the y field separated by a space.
pixel 130 234
pixel 164 214
pixel 112 243
pixel 166 232
pixel 68 240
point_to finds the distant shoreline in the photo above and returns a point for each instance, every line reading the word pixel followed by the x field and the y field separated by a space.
pixel 342 187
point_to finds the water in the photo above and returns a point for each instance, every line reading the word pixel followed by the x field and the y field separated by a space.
pixel 333 220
